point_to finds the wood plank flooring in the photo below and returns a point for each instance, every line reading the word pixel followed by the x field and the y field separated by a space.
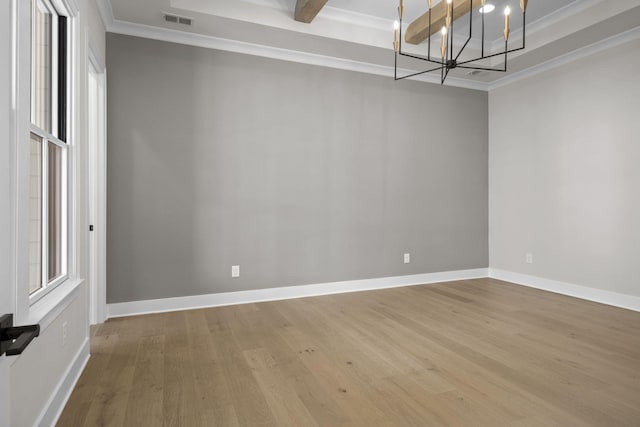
pixel 470 353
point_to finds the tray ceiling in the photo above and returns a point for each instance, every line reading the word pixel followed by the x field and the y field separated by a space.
pixel 360 31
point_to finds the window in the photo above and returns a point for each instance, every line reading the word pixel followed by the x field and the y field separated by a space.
pixel 48 149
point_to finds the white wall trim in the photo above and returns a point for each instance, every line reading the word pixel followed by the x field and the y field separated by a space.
pixel 96 189
pixel 629 302
pixel 135 308
pixel 58 400
pixel 192 39
pixel 113 25
pixel 106 13
pixel 45 311
pixel 602 45
pixel 92 53
pixel 71 6
pixel 158 33
pixel 210 42
pixel 288 292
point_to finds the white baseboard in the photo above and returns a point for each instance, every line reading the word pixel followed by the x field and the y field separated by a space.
pixel 288 292
pixel 58 400
pixel 134 308
pixel 629 302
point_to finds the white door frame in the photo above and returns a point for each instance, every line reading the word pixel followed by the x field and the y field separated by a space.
pixel 97 185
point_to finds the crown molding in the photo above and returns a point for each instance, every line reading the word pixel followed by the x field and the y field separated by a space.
pixel 192 39
pixel 609 43
pixel 106 13
pixel 71 6
pixel 199 40
pixel 113 25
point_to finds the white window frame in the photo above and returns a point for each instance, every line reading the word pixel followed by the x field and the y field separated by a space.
pixel 33 308
pixel 48 286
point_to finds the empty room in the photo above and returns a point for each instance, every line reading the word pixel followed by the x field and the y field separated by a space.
pixel 319 213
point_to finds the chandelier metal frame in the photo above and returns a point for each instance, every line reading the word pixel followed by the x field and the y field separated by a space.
pixel 449 59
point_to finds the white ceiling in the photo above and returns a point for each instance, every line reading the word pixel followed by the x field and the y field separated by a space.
pixel 360 31
pixel 413 8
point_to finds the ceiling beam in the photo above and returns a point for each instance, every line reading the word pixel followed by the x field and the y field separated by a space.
pixel 306 10
pixel 418 30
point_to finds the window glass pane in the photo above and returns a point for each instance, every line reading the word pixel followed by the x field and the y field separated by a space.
pixel 62 78
pixel 54 211
pixel 41 47
pixel 35 214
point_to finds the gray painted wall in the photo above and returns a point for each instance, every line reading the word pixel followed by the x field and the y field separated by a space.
pixel 299 174
pixel 564 175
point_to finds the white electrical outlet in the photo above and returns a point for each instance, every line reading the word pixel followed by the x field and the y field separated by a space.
pixel 529 258
pixel 235 271
pixel 64 333
pixel 407 258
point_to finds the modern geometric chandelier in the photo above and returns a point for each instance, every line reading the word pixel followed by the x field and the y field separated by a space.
pixel 449 55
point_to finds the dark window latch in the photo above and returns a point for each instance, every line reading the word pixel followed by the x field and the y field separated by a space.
pixel 91 228
pixel 14 339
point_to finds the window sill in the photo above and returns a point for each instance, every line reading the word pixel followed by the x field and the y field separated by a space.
pixel 47 308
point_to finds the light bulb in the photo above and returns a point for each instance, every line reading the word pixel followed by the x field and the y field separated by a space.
pixel 449 1
pixel 444 31
pixel 488 8
pixel 507 11
pixel 396 25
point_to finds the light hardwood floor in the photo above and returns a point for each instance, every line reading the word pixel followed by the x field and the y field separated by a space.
pixel 470 353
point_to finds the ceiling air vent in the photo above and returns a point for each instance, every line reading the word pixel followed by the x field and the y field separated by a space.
pixel 171 18
pixel 175 19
